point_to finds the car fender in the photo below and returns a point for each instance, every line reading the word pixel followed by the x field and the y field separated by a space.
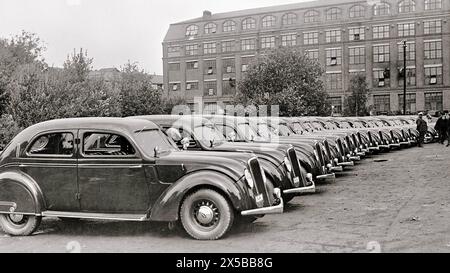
pixel 167 206
pixel 20 194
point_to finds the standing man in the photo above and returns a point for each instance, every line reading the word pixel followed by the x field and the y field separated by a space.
pixel 440 127
pixel 422 127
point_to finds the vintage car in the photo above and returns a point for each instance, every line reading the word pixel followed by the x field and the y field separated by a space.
pixel 279 162
pixel 119 169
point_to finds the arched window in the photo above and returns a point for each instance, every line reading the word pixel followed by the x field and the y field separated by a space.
pixel 311 16
pixel 248 23
pixel 192 30
pixel 229 26
pixel 289 19
pixel 406 6
pixel 433 4
pixel 357 11
pixel 333 14
pixel 268 21
pixel 210 28
pixel 381 9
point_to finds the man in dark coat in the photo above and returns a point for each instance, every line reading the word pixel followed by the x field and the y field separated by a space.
pixel 422 127
pixel 442 127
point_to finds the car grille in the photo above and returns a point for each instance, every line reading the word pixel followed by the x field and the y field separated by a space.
pixel 320 154
pixel 328 150
pixel 296 166
pixel 260 187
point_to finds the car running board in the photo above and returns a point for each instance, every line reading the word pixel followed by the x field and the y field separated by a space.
pixel 98 216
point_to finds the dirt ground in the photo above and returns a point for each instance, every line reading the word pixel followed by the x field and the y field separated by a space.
pixel 394 202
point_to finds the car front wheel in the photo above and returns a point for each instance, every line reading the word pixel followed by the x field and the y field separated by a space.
pixel 206 215
pixel 19 225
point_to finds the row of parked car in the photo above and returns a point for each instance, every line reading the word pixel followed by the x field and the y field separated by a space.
pixel 205 172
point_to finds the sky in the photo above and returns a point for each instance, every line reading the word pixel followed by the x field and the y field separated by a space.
pixel 112 31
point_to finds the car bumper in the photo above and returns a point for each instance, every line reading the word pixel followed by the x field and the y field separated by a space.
pixel 384 146
pixel 326 176
pixel 395 145
pixel 277 209
pixel 346 164
pixel 361 154
pixel 309 189
pixel 406 143
pixel 355 158
pixel 374 148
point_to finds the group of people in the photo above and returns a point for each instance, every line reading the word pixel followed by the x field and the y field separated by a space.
pixel 443 127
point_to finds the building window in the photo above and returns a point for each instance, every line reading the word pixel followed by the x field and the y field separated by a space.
pixel 313 54
pixel 229 66
pixel 381 32
pixel 334 56
pixel 382 103
pixel 410 52
pixel 191 85
pixel 245 62
pixel 433 75
pixel 173 49
pixel 311 16
pixel 192 65
pixel 410 103
pixel 289 19
pixel 407 29
pixel 267 42
pixel 336 104
pixel 210 67
pixel 333 14
pixel 381 9
pixel 248 44
pixel 289 40
pixel 381 78
pixel 229 86
pixel 228 46
pixel 192 30
pixel 333 36
pixel 407 6
pixel 334 81
pixel 432 27
pixel 433 49
pixel 381 54
pixel 268 21
pixel 433 4
pixel 191 50
pixel 210 28
pixel 229 26
pixel 210 48
pixel 357 55
pixel 410 77
pixel 433 101
pixel 356 34
pixel 248 23
pixel 310 38
pixel 174 86
pixel 174 66
pixel 357 11
pixel 210 88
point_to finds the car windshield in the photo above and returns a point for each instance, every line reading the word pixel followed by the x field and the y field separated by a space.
pixel 284 130
pixel 265 132
pixel 330 125
pixel 209 135
pixel 230 133
pixel 317 125
pixel 148 140
pixel 344 125
pixel 308 126
pixel 358 124
pixel 297 127
pixel 247 131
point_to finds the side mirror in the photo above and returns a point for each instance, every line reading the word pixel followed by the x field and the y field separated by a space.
pixel 156 152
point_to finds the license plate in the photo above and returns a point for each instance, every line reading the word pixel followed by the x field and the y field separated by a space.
pixel 296 180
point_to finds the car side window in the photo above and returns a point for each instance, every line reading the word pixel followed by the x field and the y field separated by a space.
pixel 178 135
pixel 53 144
pixel 105 144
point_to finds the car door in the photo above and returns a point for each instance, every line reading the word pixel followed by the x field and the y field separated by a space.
pixel 111 175
pixel 51 160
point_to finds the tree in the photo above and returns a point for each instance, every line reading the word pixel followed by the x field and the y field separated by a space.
pixel 356 103
pixel 287 78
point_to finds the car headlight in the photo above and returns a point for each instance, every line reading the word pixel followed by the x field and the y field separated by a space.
pixel 329 165
pixel 361 147
pixel 288 164
pixel 249 179
pixel 309 176
pixel 336 160
pixel 376 142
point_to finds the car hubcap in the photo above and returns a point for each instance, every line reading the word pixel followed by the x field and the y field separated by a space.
pixel 206 213
pixel 17 219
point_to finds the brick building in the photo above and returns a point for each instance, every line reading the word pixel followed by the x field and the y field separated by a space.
pixel 204 57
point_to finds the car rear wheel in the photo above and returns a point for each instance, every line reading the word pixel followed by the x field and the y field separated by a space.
pixel 19 225
pixel 206 215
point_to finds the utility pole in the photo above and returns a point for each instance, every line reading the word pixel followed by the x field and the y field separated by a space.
pixel 404 77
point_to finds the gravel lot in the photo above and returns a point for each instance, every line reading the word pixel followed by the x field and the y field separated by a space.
pixel 394 202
